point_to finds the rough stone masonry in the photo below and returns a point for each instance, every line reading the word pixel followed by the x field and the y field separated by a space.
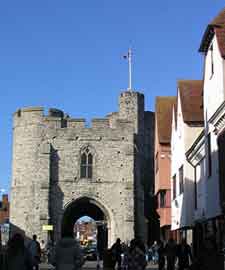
pixel 50 172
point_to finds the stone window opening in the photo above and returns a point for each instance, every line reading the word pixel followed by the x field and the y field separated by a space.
pixel 86 164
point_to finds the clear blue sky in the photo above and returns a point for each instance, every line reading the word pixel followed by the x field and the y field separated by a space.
pixel 68 54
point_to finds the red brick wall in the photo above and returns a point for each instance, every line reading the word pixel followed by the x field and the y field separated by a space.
pixel 162 179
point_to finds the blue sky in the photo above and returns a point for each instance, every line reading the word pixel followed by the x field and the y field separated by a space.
pixel 68 55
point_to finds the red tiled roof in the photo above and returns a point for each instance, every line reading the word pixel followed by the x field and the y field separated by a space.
pixel 191 100
pixel 219 20
pixel 217 27
pixel 220 34
pixel 163 110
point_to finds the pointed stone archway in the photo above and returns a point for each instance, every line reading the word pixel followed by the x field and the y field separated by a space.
pixel 85 206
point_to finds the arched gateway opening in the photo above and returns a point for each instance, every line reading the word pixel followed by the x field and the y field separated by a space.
pixel 87 207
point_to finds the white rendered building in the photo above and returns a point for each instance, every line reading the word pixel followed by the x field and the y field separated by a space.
pixel 186 125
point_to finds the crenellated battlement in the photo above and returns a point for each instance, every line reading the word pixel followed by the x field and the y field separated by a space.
pixel 29 111
pixel 56 119
pixel 131 109
pixel 131 94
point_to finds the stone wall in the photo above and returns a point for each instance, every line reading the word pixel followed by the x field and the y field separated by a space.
pixel 46 167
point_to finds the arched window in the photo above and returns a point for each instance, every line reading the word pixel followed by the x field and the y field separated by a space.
pixel 86 164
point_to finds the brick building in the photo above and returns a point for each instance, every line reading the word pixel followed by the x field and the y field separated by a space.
pixel 163 121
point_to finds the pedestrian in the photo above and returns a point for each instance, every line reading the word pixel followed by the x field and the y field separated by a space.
pixel 116 252
pixel 170 251
pixel 1 255
pixel 161 255
pixel 124 257
pixel 17 255
pixel 136 256
pixel 155 252
pixel 68 255
pixel 150 254
pixel 209 257
pixel 43 251
pixel 35 251
pixel 108 260
pixel 184 255
pixel 50 249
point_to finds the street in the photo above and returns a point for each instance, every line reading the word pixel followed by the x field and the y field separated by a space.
pixel 91 265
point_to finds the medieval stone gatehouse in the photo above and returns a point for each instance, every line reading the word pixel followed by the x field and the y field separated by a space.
pixel 63 170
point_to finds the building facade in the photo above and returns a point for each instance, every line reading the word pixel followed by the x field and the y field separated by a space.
pixel 163 123
pixel 187 123
pixel 63 170
pixel 207 151
pixel 4 220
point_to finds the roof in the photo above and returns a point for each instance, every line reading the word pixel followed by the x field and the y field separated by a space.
pixel 219 20
pixel 163 114
pixel 217 27
pixel 191 96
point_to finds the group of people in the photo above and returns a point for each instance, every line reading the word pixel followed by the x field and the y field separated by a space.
pixel 19 256
pixel 67 254
pixel 167 255
pixel 123 257
pixel 133 257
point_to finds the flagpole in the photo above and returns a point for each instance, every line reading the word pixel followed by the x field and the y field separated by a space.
pixel 130 77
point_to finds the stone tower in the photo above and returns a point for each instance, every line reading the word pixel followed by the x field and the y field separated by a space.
pixel 63 170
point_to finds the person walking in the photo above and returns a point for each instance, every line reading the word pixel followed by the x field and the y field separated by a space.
pixel 116 252
pixel 184 255
pixel 109 261
pixel 1 255
pixel 136 256
pixel 43 247
pixel 124 257
pixel 209 257
pixel 170 251
pixel 17 255
pixel 67 255
pixel 155 252
pixel 35 251
pixel 161 255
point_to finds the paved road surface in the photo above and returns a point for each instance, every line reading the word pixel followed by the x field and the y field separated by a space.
pixel 92 266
